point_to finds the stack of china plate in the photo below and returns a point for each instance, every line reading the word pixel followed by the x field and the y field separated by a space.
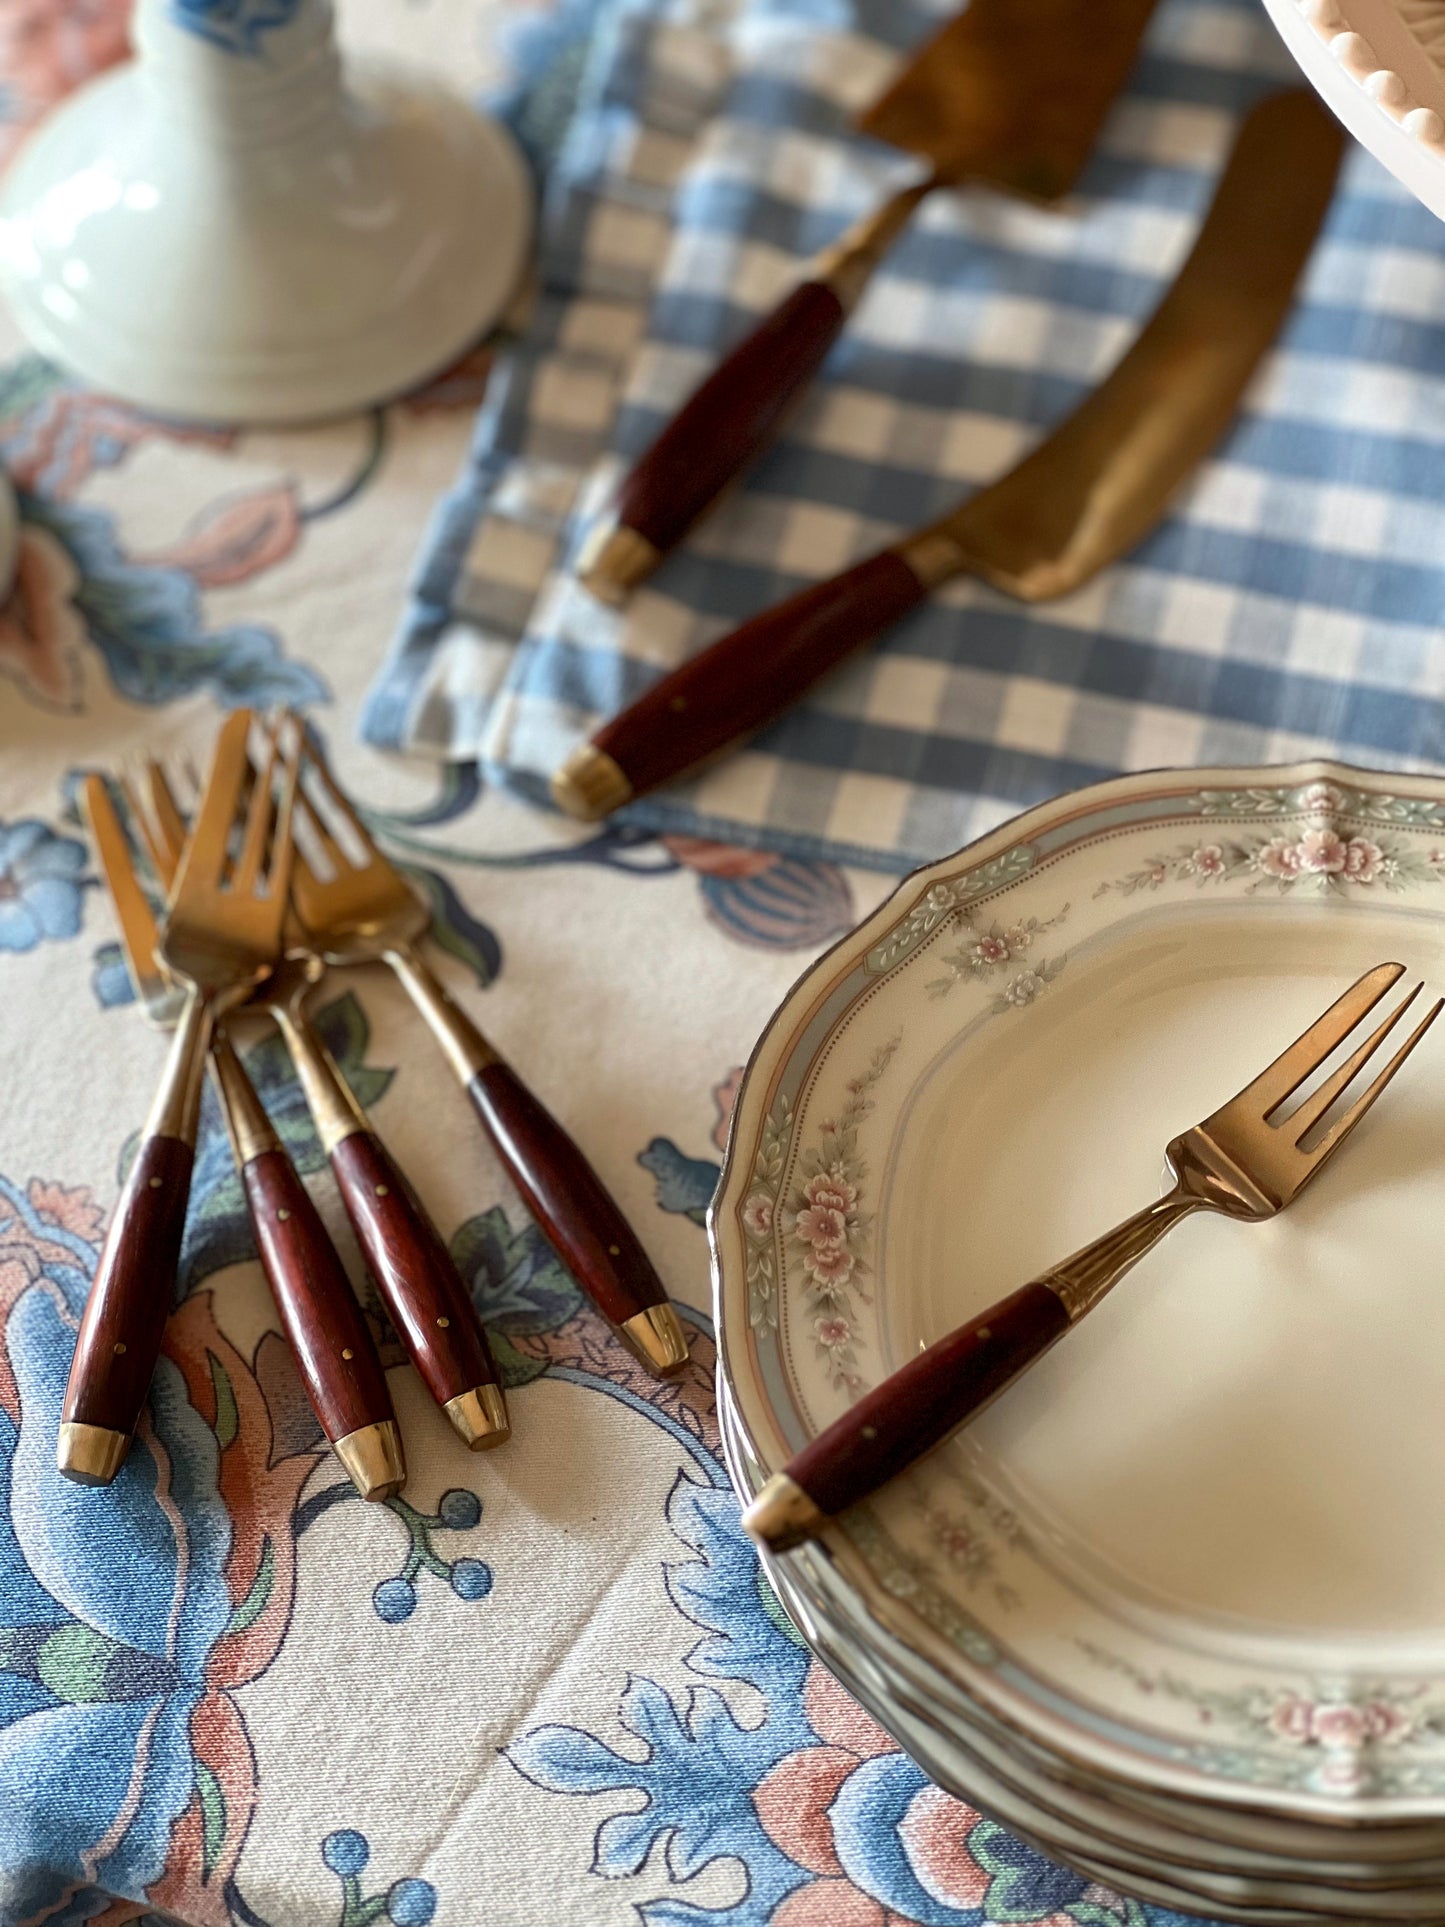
pixel 1173 1607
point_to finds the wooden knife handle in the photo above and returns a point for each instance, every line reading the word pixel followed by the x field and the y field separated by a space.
pixel 577 1214
pixel 731 418
pixel 329 1336
pixel 926 1399
pixel 755 673
pixel 429 1304
pixel 125 1314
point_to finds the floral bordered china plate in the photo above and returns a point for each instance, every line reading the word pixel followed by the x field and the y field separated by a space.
pixel 854 1663
pixel 1195 1549
pixel 1091 1832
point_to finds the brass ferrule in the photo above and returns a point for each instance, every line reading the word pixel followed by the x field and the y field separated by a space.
pixel 90 1454
pixel 480 1416
pixel 656 1336
pixel 249 1128
pixel 847 266
pixel 782 1515
pixel 176 1110
pixel 330 1099
pixel 590 785
pixel 614 560
pixel 933 555
pixel 465 1046
pixel 373 1458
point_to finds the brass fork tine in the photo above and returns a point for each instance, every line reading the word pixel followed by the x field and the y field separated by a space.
pixel 283 842
pixel 168 821
pixel 144 827
pixel 1283 1077
pixel 210 838
pixel 1343 1126
pixel 335 855
pixel 1301 1121
pixel 343 802
pixel 133 913
pixel 258 820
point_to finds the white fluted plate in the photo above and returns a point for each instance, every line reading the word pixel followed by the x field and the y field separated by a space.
pixel 1380 66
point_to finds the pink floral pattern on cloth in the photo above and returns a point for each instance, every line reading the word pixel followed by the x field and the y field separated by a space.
pixel 48 47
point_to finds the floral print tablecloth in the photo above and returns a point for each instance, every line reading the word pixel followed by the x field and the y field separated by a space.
pixel 547 1688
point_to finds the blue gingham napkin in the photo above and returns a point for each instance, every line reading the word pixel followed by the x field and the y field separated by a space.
pixel 1290 602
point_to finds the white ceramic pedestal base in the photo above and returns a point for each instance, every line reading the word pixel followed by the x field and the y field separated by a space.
pixel 271 285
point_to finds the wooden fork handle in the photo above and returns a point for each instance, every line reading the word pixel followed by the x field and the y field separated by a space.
pixel 423 1289
pixel 933 1394
pixel 329 1335
pixel 577 1214
pixel 125 1314
pixel 916 1408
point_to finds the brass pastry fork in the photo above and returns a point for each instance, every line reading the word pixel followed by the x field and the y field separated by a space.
pixel 329 1337
pixel 222 933
pixel 406 1254
pixel 363 909
pixel 1245 1160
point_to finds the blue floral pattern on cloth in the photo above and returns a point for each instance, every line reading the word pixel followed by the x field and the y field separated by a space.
pixel 42 885
pixel 406 1903
pixel 80 597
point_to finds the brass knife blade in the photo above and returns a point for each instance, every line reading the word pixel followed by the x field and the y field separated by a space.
pixel 1099 482
pixel 1013 92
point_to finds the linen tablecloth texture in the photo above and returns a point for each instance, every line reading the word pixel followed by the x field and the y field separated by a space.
pixel 547 1687
pixel 1287 604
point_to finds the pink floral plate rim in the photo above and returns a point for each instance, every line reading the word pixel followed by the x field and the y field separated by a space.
pixel 1349 1751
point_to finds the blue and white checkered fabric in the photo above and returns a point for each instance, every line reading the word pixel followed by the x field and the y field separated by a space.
pixel 1290 603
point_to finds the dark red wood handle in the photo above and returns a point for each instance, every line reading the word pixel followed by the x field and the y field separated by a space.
pixel 926 1399
pixel 731 418
pixel 757 672
pixel 577 1214
pixel 329 1336
pixel 125 1314
pixel 423 1290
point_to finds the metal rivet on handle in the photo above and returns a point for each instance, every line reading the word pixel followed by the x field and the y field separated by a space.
pixel 119 1349
pixel 347 1352
pixel 444 1322
pixel 381 1190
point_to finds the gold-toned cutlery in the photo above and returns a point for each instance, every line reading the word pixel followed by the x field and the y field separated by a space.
pixel 221 936
pixel 1082 498
pixel 329 1337
pixel 429 1304
pixel 1011 95
pixel 357 907
pixel 1248 1160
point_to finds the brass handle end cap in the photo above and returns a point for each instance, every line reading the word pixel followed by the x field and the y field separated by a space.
pixel 614 561
pixel 480 1416
pixel 783 1515
pixel 656 1336
pixel 373 1458
pixel 90 1454
pixel 590 785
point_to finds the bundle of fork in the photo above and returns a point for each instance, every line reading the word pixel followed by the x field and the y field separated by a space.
pixel 274 878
